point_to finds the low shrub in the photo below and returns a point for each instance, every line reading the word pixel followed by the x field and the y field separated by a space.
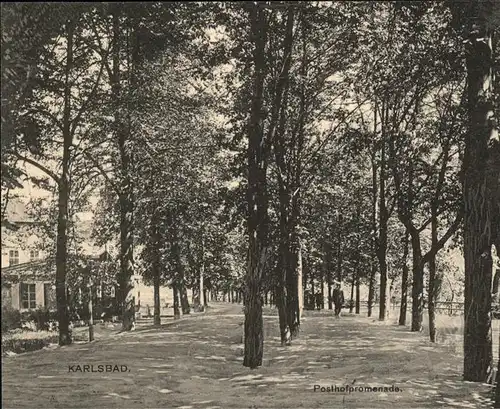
pixel 26 345
pixel 43 318
pixel 11 319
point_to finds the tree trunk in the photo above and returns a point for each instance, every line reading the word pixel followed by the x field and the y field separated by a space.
pixel 383 218
pixel 330 299
pixel 257 223
pixel 205 297
pixel 156 268
pixel 371 287
pixel 281 289
pixel 179 267
pixel 91 314
pixel 383 288
pixel 322 291
pixel 497 387
pixel 156 289
pixel 293 320
pixel 374 199
pixel 404 283
pixel 496 286
pixel 351 301
pixel 288 295
pixel 328 273
pixel 480 143
pixel 65 337
pixel 202 302
pixel 295 193
pixel 186 309
pixel 432 293
pixel 312 287
pixel 358 301
pixel 417 289
pixel 197 291
pixel 177 303
pixel 282 315
pixel 299 281
pixel 124 277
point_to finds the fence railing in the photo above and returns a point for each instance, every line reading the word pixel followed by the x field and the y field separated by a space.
pixel 444 307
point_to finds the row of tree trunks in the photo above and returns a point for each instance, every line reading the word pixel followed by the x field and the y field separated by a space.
pixel 179 279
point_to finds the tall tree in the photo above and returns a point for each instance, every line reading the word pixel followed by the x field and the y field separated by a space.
pixel 481 184
pixel 257 223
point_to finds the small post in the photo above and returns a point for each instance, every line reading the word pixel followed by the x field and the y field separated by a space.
pixel 91 318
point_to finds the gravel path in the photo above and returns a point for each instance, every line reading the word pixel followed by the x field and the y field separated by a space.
pixel 196 363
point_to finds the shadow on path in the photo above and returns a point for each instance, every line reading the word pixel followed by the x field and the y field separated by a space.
pixel 196 362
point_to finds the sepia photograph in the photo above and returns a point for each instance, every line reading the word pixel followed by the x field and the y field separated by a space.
pixel 250 204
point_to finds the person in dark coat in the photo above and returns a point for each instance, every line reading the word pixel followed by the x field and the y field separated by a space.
pixel 338 299
pixel 318 300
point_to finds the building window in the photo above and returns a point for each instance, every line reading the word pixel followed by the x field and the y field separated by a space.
pixel 13 257
pixel 34 255
pixel 28 297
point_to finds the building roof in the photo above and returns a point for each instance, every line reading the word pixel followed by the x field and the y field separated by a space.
pixel 32 269
pixel 37 269
pixel 24 266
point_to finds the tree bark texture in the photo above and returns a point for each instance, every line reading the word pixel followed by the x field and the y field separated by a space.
pixel 156 267
pixel 257 222
pixel 432 291
pixel 124 277
pixel 65 337
pixel 404 282
pixel 481 173
pixel 382 225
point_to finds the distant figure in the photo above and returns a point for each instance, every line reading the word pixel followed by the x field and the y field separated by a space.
pixel 312 300
pixel 318 300
pixel 338 299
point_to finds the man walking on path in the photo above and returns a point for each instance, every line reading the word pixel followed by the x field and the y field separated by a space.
pixel 318 300
pixel 338 299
